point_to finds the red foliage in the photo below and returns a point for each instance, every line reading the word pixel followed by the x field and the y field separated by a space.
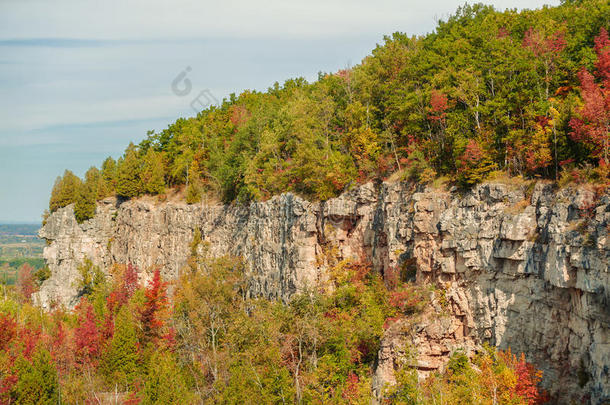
pixel 602 49
pixel 350 394
pixel 133 398
pixel 541 46
pixel 29 337
pixel 86 335
pixel 7 382
pixel 156 302
pixel 61 351
pixel 169 339
pixel 528 378
pixel 8 331
pixel 25 281
pixel 107 330
pixel 359 271
pixel 438 106
pixel 239 115
pixel 472 154
pixel 128 285
pixel 389 321
pixel 502 33
pixel 593 124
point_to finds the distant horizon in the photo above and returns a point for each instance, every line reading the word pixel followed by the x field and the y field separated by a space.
pixel 8 222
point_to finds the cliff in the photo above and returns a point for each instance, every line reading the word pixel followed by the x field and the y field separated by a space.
pixel 519 267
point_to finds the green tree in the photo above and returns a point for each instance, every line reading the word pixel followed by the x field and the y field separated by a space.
pixel 91 277
pixel 109 178
pixel 37 380
pixel 64 191
pixel 153 173
pixel 165 382
pixel 193 192
pixel 121 361
pixel 86 197
pixel 129 183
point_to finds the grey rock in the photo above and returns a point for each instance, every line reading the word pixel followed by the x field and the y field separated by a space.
pixel 534 279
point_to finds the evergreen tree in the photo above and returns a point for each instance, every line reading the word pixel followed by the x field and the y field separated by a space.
pixel 37 383
pixel 64 191
pixel 129 184
pixel 193 192
pixel 109 178
pixel 86 197
pixel 165 383
pixel 121 359
pixel 153 173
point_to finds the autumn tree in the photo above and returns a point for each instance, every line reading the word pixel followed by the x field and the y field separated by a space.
pixel 474 164
pixel 86 336
pixel 592 126
pixel 154 305
pixel 437 115
pixel 126 284
pixel 25 281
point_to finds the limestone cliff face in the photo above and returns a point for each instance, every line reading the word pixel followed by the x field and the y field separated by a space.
pixel 525 269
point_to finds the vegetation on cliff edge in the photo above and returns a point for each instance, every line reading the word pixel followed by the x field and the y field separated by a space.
pixel 523 92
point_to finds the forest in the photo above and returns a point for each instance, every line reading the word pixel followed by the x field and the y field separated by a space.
pixel 128 343
pixel 488 93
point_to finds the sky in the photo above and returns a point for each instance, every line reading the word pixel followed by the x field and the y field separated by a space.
pixel 80 79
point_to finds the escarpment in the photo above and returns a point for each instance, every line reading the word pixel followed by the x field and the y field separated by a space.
pixel 519 268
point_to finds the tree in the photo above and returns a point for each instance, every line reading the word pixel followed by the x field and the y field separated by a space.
pixel 64 191
pixel 437 115
pixel 193 192
pixel 109 178
pixel 91 277
pixel 120 362
pixel 25 281
pixel 125 287
pixel 154 305
pixel 593 124
pixel 86 335
pixel 86 196
pixel 37 383
pixel 153 173
pixel 129 182
pixel 165 383
pixel 474 164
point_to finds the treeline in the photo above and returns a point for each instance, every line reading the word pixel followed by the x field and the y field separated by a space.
pixel 525 93
pixel 127 343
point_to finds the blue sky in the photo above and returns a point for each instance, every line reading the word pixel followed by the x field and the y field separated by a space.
pixel 81 79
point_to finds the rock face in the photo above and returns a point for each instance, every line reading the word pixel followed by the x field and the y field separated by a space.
pixel 521 268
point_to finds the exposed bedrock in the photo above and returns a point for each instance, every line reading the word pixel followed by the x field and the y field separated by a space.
pixel 521 268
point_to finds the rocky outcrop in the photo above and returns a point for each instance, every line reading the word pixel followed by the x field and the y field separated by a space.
pixel 521 267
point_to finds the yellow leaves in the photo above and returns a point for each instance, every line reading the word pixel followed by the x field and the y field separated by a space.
pixel 362 142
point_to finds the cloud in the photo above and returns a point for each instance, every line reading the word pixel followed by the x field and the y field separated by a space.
pixel 81 78
pixel 140 19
